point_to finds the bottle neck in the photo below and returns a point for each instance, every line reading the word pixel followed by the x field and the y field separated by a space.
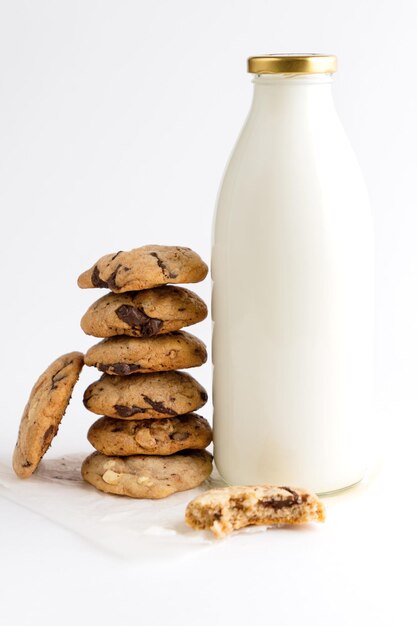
pixel 292 92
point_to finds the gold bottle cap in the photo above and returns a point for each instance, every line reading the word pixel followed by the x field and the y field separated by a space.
pixel 292 64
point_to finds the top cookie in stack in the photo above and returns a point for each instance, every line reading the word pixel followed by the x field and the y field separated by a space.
pixel 143 268
pixel 147 405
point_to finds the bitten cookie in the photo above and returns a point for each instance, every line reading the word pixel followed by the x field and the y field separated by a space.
pixel 153 436
pixel 161 394
pixel 231 508
pixel 145 267
pixel 46 406
pixel 128 355
pixel 143 313
pixel 147 476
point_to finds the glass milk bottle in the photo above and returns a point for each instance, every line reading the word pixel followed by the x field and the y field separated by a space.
pixel 292 271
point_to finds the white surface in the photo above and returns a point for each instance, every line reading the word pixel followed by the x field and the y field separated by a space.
pixel 116 122
pixel 348 571
pixel 293 308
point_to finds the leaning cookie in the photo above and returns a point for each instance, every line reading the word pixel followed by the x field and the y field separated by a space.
pixel 47 403
pixel 231 508
pixel 145 267
pixel 128 355
pixel 147 476
pixel 161 394
pixel 143 313
pixel 152 436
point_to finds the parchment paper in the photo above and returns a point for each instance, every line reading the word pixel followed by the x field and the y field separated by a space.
pixel 129 528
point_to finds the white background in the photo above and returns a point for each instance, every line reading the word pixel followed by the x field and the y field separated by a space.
pixel 116 121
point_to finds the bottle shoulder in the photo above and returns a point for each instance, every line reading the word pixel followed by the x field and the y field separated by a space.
pixel 284 156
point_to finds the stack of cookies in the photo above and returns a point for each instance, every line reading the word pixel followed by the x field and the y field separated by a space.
pixel 149 443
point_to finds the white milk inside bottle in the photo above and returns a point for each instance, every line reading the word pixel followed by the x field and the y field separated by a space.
pixel 292 269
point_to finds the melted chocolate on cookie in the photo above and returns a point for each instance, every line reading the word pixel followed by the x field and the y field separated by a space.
pixel 136 318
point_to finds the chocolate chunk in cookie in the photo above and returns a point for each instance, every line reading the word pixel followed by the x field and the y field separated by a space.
pixel 141 396
pixel 127 355
pixel 142 476
pixel 43 412
pixel 150 436
pixel 143 313
pixel 231 508
pixel 145 267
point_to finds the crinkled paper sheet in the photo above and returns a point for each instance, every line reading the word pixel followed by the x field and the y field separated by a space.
pixel 141 530
pixel 134 529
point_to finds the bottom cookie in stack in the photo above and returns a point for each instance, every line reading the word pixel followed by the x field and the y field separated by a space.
pixel 147 476
pixel 148 458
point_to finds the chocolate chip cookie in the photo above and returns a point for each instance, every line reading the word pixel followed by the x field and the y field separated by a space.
pixel 152 436
pixel 231 508
pixel 161 394
pixel 46 406
pixel 128 355
pixel 143 313
pixel 145 267
pixel 142 476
